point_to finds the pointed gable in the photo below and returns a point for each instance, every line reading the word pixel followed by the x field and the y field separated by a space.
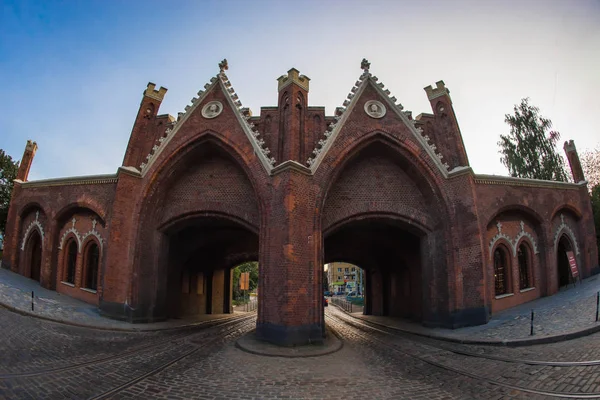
pixel 211 109
pixel 379 105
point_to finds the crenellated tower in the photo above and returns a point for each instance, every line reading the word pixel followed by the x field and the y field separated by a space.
pixel 442 126
pixel 292 105
pixel 26 161
pixel 148 126
pixel 574 162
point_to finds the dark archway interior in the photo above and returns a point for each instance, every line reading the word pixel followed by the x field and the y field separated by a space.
pixel 201 253
pixel 35 255
pixel 562 262
pixel 389 252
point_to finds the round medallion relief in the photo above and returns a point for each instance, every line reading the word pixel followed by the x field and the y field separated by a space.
pixel 375 109
pixel 212 109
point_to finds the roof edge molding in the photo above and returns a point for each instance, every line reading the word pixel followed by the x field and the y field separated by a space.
pixel 72 180
pixel 510 180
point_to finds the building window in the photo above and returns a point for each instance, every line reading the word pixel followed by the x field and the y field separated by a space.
pixel 339 278
pixel 524 275
pixel 353 269
pixel 71 262
pixel 501 272
pixel 346 270
pixel 92 259
pixel 339 270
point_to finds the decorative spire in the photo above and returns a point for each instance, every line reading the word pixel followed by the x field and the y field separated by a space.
pixel 223 65
pixel 365 65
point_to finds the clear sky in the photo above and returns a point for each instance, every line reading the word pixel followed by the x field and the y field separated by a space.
pixel 73 72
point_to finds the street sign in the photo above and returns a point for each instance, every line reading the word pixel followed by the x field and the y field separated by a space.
pixel 572 264
pixel 245 281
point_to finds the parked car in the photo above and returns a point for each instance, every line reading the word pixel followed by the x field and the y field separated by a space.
pixel 351 294
pixel 328 293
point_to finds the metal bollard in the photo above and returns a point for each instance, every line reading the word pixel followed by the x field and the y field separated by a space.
pixel 32 296
pixel 531 331
pixel 597 305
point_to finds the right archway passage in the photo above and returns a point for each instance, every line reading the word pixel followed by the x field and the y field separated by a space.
pixel 389 252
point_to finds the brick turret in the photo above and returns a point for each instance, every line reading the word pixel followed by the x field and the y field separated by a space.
pixel 574 162
pixel 448 137
pixel 26 161
pixel 144 132
pixel 293 101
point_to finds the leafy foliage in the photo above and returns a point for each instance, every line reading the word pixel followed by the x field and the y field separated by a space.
pixel 8 172
pixel 529 150
pixel 251 267
pixel 590 162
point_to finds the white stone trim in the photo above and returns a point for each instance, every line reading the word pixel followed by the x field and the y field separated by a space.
pixel 93 232
pixel 33 223
pixel 513 242
pixel 564 228
pixel 75 232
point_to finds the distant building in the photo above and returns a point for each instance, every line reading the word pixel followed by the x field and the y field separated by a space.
pixel 342 276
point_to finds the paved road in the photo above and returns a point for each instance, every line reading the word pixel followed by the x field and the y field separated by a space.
pixel 45 360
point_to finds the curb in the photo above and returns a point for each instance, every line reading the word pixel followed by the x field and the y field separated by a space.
pixel 245 343
pixel 103 328
pixel 504 342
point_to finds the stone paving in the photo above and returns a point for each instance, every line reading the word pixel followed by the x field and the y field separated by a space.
pixel 193 363
pixel 15 294
pixel 571 310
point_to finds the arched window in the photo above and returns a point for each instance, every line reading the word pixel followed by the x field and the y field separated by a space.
pixel 71 262
pixel 524 264
pixel 501 272
pixel 92 258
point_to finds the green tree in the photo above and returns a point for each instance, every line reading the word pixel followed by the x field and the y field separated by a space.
pixel 590 162
pixel 8 172
pixel 529 150
pixel 252 268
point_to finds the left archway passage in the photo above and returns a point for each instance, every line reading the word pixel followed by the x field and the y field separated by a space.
pixel 201 253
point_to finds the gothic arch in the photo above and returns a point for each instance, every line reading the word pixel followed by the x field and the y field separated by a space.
pixel 531 213
pixel 168 165
pixel 570 210
pixel 421 174
pixel 88 204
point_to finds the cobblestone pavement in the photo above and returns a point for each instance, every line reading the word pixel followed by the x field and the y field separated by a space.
pixel 204 363
pixel 572 309
pixel 15 293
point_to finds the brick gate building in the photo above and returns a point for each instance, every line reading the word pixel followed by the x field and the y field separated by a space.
pixel 294 189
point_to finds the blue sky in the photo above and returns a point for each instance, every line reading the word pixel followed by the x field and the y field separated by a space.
pixel 73 72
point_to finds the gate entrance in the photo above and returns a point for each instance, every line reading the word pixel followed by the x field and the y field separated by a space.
pixel 201 255
pixel 390 254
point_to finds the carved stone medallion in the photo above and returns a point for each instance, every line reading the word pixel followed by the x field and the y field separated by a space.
pixel 212 109
pixel 375 109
